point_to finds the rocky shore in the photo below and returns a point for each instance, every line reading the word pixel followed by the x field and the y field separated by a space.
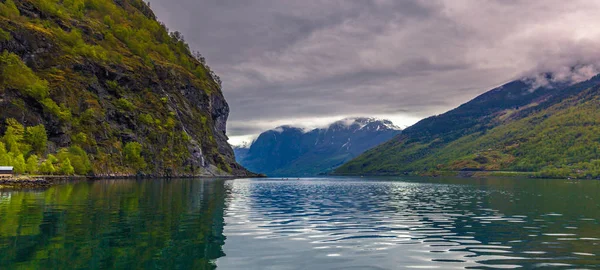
pixel 48 180
pixel 24 182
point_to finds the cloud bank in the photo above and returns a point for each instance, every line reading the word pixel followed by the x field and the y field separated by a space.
pixel 314 61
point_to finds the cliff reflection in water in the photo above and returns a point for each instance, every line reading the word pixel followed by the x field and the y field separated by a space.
pixel 114 224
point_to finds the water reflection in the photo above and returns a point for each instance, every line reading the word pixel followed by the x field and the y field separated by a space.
pixel 443 223
pixel 414 223
pixel 114 224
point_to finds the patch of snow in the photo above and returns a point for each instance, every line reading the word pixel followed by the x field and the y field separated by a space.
pixel 347 144
pixel 390 125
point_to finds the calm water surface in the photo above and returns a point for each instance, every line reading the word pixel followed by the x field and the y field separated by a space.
pixel 334 223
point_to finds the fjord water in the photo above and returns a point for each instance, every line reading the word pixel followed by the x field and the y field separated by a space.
pixel 327 223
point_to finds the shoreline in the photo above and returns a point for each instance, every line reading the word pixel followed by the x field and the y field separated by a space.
pixel 466 174
pixel 43 181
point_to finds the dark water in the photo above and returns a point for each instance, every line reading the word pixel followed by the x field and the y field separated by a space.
pixel 344 223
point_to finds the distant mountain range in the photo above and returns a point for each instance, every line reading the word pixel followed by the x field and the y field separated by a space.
pixel 292 151
pixel 551 131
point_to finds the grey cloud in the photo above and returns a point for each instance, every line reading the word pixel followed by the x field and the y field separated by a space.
pixel 284 60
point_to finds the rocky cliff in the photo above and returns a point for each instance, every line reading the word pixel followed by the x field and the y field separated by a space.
pixel 105 77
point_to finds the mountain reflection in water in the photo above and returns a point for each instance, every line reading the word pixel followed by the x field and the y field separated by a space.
pixel 397 223
pixel 322 223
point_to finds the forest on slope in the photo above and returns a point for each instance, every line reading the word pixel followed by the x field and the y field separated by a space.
pixel 548 132
pixel 101 87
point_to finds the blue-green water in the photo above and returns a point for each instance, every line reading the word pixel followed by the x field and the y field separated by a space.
pixel 328 223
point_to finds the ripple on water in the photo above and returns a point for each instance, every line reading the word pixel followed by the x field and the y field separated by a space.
pixel 412 225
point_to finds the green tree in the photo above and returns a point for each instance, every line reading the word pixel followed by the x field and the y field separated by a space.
pixel 78 159
pixel 47 167
pixel 16 126
pixel 36 137
pixel 4 157
pixel 19 164
pixel 52 158
pixel 13 135
pixel 32 164
pixel 80 139
pixel 9 9
pixel 133 156
pixel 66 168
pixel 109 21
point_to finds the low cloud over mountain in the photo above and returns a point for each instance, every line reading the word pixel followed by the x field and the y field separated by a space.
pixel 292 151
pixel 301 61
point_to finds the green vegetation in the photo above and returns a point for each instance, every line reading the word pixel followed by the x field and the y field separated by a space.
pixel 48 166
pixel 19 145
pixel 5 36
pixel 98 85
pixel 125 104
pixel 133 157
pixel 16 75
pixel 66 168
pixel 9 9
pixel 36 137
pixel 556 139
pixel 33 164
pixel 72 226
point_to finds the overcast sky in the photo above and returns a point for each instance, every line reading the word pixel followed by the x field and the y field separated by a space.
pixel 310 62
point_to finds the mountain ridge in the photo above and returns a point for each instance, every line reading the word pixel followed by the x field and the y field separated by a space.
pixel 442 142
pixel 294 151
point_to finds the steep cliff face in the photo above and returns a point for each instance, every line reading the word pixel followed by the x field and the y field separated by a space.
pixel 101 75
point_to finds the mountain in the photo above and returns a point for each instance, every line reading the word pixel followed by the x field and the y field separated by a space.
pixel 291 151
pixel 551 131
pixel 241 151
pixel 108 90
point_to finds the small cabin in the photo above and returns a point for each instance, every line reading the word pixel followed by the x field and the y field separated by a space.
pixel 6 171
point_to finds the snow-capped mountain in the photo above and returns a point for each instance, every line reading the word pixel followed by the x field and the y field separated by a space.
pixel 292 151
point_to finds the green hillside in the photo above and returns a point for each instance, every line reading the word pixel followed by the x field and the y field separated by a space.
pixel 555 134
pixel 103 87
